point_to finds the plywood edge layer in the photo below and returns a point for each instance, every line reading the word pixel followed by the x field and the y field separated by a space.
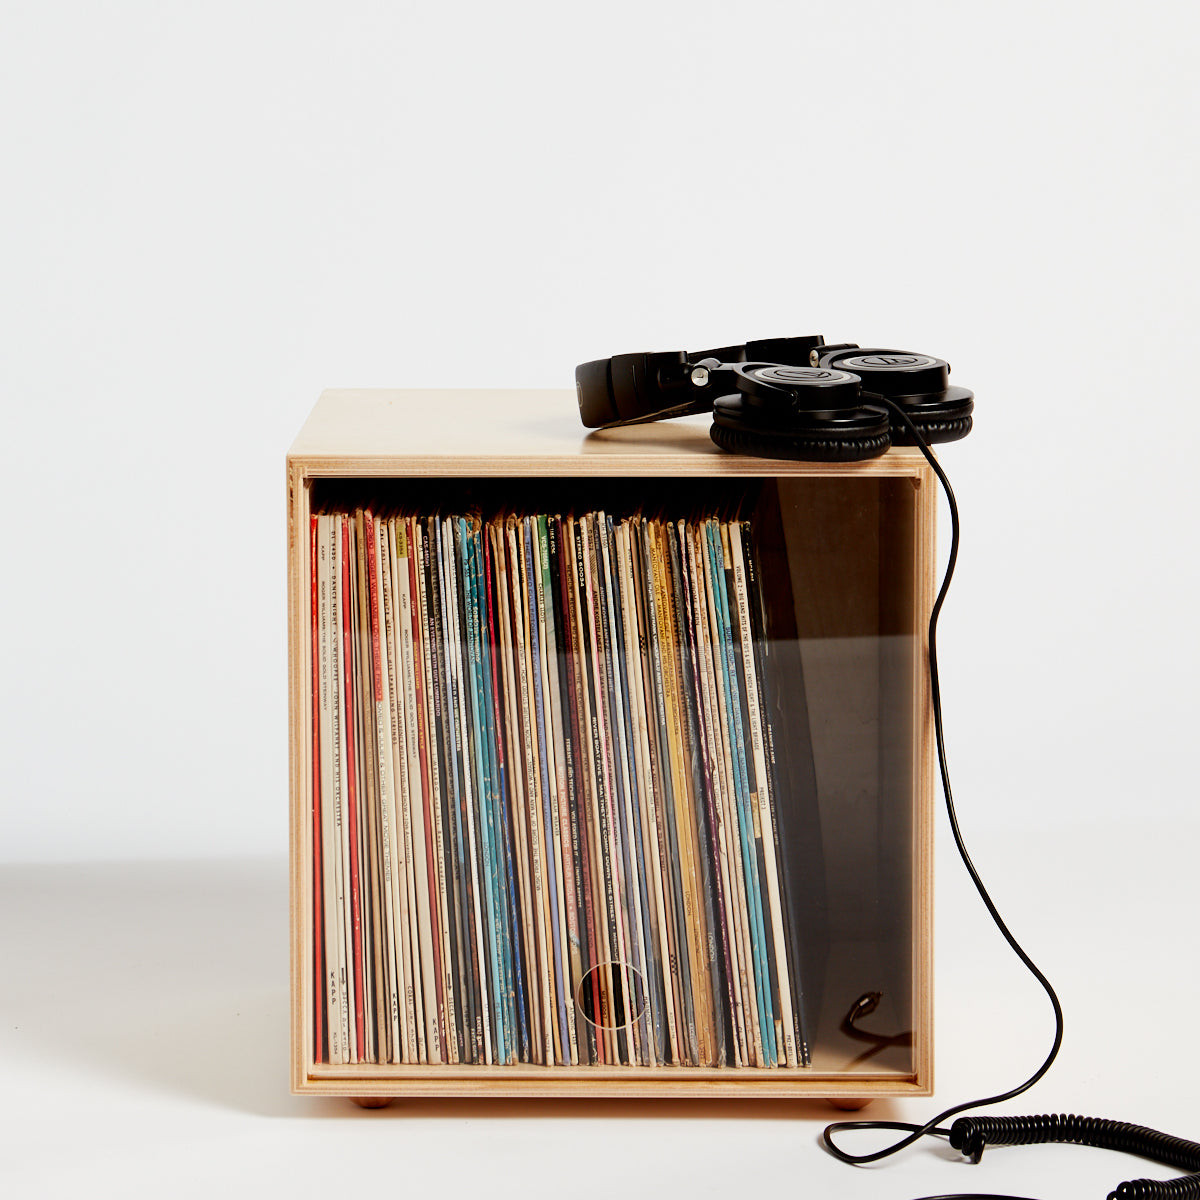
pixel 312 466
pixel 666 1087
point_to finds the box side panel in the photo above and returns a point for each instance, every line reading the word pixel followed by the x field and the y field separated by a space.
pixel 299 759
pixel 926 782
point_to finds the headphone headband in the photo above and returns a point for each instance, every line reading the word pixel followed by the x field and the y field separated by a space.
pixel 629 388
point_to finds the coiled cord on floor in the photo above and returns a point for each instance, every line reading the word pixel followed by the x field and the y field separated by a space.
pixel 971 1135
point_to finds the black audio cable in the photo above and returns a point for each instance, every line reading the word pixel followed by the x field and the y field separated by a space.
pixel 971 1135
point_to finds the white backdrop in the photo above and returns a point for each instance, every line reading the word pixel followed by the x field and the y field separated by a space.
pixel 212 212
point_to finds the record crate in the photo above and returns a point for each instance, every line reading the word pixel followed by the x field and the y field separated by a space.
pixel 845 562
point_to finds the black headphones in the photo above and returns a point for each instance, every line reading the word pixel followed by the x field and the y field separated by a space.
pixel 784 397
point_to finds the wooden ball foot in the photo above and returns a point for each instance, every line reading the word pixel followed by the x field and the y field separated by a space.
pixel 848 1103
pixel 372 1101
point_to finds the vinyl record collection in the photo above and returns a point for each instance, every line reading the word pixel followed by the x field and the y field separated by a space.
pixel 544 793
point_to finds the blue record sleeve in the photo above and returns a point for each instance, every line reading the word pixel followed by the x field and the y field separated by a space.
pixel 762 987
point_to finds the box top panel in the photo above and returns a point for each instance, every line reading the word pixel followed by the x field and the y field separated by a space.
pixel 527 431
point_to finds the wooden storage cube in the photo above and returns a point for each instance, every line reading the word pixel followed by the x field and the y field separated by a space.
pixel 852 547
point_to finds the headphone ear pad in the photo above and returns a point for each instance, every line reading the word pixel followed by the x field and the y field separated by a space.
pixel 811 445
pixel 933 428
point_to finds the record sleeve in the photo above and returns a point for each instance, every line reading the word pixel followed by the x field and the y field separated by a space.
pixel 441 758
pixel 387 802
pixel 428 726
pixel 338 1032
pixel 551 1041
pixel 472 966
pixel 497 824
pixel 525 935
pixel 655 795
pixel 320 1050
pixel 629 822
pixel 557 774
pixel 468 734
pixel 594 923
pixel 567 733
pixel 674 805
pixel 709 1023
pixel 346 880
pixel 403 902
pixel 801 753
pixel 721 914
pixel 547 782
pixel 375 1001
pixel 766 819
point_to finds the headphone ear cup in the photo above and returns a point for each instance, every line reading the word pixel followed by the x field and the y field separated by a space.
pixel 807 437
pixel 919 384
pixel 593 387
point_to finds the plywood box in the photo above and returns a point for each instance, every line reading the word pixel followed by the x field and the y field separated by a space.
pixel 855 545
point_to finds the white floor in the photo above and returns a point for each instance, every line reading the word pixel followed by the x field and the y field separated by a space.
pixel 143 1048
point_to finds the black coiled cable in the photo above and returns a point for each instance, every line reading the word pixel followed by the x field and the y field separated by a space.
pixel 971 1135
